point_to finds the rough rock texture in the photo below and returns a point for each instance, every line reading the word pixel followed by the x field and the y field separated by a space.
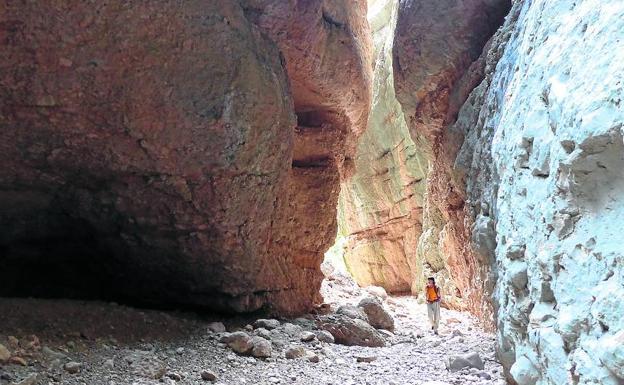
pixel 351 331
pixel 437 49
pixel 158 153
pixel 543 163
pixel 380 209
pixel 552 118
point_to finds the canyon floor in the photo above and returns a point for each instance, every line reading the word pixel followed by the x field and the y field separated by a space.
pixel 86 342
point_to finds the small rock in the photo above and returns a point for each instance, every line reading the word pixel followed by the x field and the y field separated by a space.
pixel 72 367
pixel 109 364
pixel 294 352
pixel 312 357
pixel 325 336
pixel 470 360
pixel 30 380
pixel 274 380
pixel 484 375
pixel 261 347
pixel 291 329
pixel 307 336
pixel 180 350
pixel 216 327
pixel 249 328
pixel 340 361
pixel 365 358
pixel 264 333
pixel 240 342
pixel 456 333
pixel 52 354
pixel 267 324
pixel 18 361
pixel 174 376
pixel 5 354
pixel 208 375
pixel 13 342
pixel 377 291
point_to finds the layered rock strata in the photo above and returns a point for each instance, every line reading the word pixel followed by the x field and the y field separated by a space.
pixel 381 205
pixel 177 154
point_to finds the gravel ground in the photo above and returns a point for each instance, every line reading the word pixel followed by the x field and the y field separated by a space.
pixel 77 342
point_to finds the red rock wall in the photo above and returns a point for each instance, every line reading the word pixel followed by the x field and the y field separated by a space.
pixel 437 63
pixel 152 152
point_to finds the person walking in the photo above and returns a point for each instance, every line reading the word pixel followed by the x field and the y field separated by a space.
pixel 433 296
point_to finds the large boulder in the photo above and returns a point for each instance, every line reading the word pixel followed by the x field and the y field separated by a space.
pixel 350 331
pixel 378 317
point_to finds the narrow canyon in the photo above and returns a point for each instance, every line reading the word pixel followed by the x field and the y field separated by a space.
pixel 265 187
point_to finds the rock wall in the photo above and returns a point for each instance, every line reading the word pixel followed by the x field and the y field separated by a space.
pixel 177 154
pixel 381 205
pixel 544 161
pixel 438 61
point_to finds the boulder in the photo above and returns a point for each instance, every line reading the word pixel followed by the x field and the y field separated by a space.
pixel 377 316
pixel 350 331
pixel 352 312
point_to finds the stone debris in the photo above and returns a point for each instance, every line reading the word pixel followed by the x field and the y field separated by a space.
pixel 267 324
pixel 5 354
pixel 208 375
pixel 307 336
pixel 470 360
pixel 240 342
pixel 295 352
pixel 261 347
pixel 324 336
pixel 216 327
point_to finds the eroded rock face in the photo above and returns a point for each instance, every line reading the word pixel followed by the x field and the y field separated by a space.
pixel 438 60
pixel 152 152
pixel 542 159
pixel 381 205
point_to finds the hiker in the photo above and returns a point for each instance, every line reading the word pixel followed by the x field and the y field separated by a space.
pixel 433 296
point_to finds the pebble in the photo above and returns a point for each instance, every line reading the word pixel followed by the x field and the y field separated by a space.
pixel 5 354
pixel 72 367
pixel 30 380
pixel 109 364
pixel 216 327
pixel 174 376
pixel 267 324
pixel 18 361
pixel 294 352
pixel 325 336
pixel 208 375
pixel 365 358
pixel 307 336
pixel 312 357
